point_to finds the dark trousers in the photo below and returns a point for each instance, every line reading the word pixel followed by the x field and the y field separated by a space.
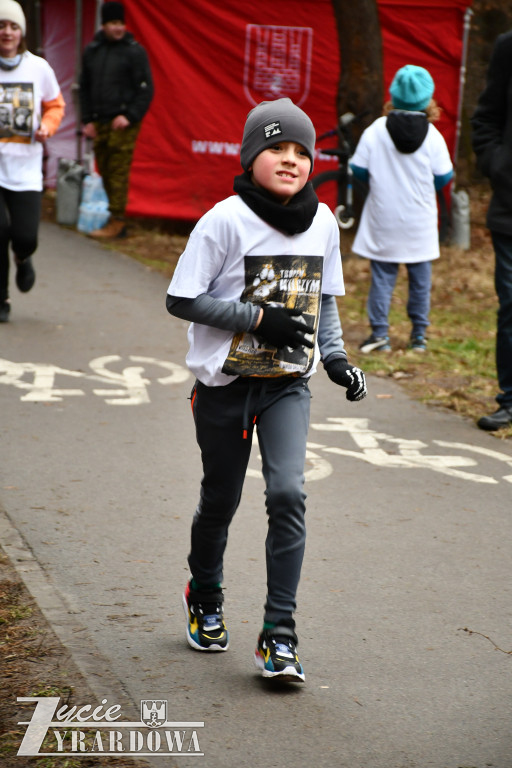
pixel 113 151
pixel 19 224
pixel 280 409
pixel 503 283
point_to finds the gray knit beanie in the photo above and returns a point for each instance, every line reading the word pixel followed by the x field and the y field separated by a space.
pixel 10 10
pixel 271 122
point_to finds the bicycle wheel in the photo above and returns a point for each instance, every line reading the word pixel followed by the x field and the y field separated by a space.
pixel 330 187
pixel 327 185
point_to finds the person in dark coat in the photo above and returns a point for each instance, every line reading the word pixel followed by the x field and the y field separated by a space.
pixel 492 143
pixel 116 90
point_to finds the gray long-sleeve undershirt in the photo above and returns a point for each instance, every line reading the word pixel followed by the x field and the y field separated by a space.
pixel 240 317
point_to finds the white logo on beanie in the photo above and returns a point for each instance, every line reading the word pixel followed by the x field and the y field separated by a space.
pixel 272 129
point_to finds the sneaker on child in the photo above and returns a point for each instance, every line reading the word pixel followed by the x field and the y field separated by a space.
pixel 206 630
pixel 276 655
pixel 375 344
pixel 418 342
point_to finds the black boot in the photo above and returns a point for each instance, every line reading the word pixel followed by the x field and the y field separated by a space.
pixel 497 420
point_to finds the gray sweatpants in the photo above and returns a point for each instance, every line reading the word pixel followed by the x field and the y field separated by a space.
pixel 225 418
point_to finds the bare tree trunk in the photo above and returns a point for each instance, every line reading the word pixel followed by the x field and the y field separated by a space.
pixel 360 87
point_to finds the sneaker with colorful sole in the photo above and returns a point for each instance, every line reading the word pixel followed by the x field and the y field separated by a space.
pixel 206 630
pixel 276 655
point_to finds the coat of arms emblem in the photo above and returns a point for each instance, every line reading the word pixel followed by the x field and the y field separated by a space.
pixel 153 713
pixel 277 62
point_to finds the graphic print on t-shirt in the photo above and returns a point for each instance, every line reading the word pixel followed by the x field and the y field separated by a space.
pixel 294 282
pixel 16 112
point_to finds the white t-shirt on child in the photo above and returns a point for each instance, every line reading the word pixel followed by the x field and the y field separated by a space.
pixel 22 90
pixel 232 254
pixel 399 222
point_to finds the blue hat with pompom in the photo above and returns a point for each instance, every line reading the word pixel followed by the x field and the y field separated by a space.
pixel 412 88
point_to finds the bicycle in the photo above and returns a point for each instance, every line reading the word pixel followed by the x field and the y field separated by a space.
pixel 339 186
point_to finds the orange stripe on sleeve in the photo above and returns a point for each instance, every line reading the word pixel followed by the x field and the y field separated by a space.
pixel 53 112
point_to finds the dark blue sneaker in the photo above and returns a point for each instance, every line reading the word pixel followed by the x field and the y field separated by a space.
pixel 276 655
pixel 418 342
pixel 206 630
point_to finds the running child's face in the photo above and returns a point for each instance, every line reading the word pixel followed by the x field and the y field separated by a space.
pixel 282 170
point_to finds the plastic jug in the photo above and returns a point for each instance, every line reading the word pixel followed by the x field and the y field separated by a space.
pixel 461 234
pixel 93 211
pixel 69 185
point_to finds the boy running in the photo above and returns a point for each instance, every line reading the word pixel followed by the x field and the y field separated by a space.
pixel 258 281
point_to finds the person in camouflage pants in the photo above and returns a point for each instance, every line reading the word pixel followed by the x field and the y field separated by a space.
pixel 116 89
pixel 113 151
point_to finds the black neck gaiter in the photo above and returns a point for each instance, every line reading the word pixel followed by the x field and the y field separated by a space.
pixel 297 216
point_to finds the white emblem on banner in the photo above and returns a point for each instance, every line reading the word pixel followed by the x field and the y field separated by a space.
pixel 277 62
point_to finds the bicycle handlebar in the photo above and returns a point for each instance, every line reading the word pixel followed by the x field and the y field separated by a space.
pixel 344 122
pixel 325 135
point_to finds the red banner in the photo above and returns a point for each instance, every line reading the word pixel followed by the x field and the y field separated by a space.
pixel 212 62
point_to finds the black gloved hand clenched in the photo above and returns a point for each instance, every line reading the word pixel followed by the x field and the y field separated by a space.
pixel 346 375
pixel 279 327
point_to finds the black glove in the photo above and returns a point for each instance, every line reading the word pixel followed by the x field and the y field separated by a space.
pixel 346 375
pixel 280 329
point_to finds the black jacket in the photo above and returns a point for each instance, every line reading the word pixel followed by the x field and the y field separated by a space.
pixel 492 134
pixel 115 80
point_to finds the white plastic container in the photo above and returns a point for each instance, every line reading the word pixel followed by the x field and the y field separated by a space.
pixel 461 219
pixel 93 211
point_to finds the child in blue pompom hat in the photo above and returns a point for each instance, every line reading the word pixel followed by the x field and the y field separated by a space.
pixel 405 160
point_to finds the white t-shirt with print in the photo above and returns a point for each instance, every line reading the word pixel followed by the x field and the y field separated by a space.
pixel 399 218
pixel 232 254
pixel 22 90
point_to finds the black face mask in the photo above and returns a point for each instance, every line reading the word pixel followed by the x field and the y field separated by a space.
pixel 297 216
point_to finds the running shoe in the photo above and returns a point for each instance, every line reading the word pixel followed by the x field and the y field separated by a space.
pixel 5 308
pixel 276 655
pixel 375 344
pixel 206 630
pixel 25 274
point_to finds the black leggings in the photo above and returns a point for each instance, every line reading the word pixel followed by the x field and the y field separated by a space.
pixel 19 223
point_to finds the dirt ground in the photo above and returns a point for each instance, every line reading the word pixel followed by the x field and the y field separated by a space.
pixel 33 662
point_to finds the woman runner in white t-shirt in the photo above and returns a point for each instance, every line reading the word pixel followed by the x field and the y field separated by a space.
pixel 31 109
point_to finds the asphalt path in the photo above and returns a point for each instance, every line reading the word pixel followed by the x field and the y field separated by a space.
pixel 404 612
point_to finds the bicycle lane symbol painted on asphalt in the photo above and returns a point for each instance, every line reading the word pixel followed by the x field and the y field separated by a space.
pixel 407 454
pixel 126 387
